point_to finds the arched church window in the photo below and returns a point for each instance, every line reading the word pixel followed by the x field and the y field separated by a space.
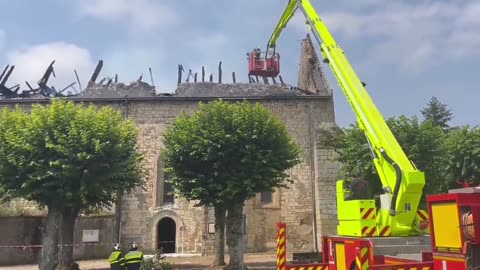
pixel 164 191
pixel 168 197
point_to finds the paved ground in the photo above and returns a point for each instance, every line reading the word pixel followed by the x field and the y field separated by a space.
pixel 262 261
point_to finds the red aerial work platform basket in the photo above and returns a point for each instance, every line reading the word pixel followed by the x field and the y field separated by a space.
pixel 258 65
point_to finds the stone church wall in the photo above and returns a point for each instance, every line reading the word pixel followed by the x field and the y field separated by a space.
pixel 140 211
pixel 307 206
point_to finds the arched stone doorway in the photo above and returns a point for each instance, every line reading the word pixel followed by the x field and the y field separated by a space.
pixel 167 235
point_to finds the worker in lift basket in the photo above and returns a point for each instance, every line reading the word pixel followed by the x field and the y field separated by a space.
pixel 134 258
pixel 257 52
pixel 116 259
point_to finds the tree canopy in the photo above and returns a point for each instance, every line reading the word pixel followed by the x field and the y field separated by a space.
pixel 68 155
pixel 421 142
pixel 447 155
pixel 228 152
pixel 463 162
pixel 68 158
pixel 438 113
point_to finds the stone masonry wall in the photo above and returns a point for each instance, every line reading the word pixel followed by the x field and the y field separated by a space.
pixel 326 171
pixel 310 73
pixel 139 212
pixel 27 231
pixel 307 207
pixel 140 216
pixel 311 78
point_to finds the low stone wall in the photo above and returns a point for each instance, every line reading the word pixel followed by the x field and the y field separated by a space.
pixel 20 238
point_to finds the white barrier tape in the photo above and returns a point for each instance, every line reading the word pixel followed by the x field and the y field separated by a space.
pixel 29 246
pixel 64 245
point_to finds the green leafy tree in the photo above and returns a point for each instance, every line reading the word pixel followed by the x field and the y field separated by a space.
pixel 423 143
pixel 67 158
pixel 438 113
pixel 223 155
pixel 355 156
pixel 463 163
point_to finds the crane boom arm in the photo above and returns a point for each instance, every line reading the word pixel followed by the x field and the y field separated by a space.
pixel 282 23
pixel 397 174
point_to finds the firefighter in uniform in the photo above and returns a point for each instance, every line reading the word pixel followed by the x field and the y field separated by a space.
pixel 134 258
pixel 116 259
pixel 359 190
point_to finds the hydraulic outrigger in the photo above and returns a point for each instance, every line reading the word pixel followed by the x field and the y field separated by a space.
pixel 453 217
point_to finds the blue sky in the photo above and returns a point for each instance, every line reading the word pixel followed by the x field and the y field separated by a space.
pixel 406 50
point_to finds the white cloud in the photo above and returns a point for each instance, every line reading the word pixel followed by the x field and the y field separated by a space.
pixel 411 35
pixel 31 63
pixel 140 14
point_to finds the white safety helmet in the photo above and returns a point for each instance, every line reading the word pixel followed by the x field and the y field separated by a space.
pixel 133 246
pixel 116 246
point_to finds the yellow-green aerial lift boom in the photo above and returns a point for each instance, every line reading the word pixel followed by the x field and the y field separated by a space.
pixel 402 182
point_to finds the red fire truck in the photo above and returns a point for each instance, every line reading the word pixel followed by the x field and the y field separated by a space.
pixel 455 241
pixel 451 217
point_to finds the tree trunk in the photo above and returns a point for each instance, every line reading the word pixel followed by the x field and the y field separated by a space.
pixel 49 259
pixel 118 216
pixel 66 236
pixel 219 236
pixel 235 236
